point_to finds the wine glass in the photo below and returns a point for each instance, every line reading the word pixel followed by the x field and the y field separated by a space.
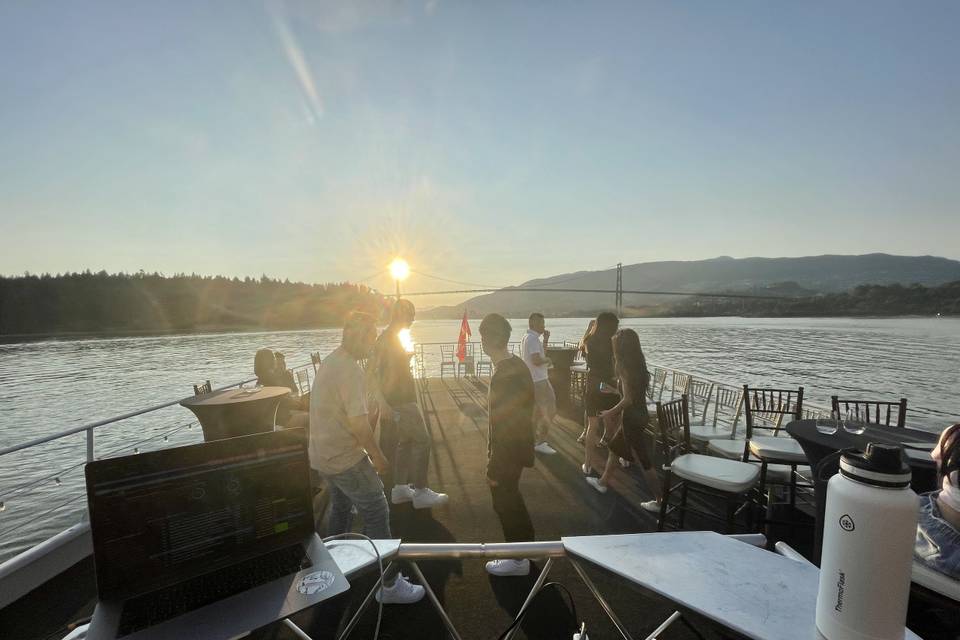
pixel 854 424
pixel 829 426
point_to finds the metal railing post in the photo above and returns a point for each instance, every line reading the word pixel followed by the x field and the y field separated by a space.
pixel 363 605
pixel 452 630
pixel 600 599
pixel 533 594
pixel 90 444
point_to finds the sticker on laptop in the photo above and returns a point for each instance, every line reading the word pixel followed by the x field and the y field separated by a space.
pixel 315 582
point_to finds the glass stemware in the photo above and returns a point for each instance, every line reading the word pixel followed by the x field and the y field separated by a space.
pixel 854 423
pixel 829 426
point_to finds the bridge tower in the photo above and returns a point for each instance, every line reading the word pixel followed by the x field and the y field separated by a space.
pixel 619 300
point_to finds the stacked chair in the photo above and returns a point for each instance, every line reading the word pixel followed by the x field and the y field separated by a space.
pixel 781 459
pixel 725 398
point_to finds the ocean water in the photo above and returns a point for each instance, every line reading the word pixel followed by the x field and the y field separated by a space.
pixel 48 387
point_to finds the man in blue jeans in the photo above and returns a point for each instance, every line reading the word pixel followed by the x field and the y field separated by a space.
pixel 345 453
pixel 396 393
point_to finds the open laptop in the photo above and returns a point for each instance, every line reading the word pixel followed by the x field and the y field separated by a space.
pixel 206 541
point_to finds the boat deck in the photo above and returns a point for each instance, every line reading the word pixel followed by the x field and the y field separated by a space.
pixel 480 606
pixel 560 504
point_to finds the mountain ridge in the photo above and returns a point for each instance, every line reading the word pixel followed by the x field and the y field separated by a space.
pixel 826 273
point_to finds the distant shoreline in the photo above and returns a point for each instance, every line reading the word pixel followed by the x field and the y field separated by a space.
pixel 102 335
pixel 14 338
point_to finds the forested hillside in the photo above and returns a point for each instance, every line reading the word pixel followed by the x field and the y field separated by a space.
pixel 105 303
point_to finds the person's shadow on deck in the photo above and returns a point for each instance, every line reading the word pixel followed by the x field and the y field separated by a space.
pixel 549 617
pixel 415 525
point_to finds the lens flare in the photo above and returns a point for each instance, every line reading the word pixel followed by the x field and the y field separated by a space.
pixel 406 340
pixel 399 269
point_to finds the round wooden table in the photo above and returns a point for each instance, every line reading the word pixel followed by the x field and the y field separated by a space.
pixel 236 412
pixel 818 447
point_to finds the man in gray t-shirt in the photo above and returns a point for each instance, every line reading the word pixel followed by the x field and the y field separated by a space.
pixel 345 453
pixel 338 398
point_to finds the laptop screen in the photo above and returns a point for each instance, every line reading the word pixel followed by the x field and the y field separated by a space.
pixel 161 517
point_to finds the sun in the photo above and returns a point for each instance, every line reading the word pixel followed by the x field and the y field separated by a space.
pixel 406 340
pixel 399 269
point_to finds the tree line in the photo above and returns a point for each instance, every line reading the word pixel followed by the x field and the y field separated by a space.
pixel 864 300
pixel 104 303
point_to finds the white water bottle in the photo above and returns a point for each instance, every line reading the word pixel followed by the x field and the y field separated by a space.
pixel 868 535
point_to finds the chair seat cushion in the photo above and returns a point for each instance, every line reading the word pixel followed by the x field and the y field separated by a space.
pixel 707 432
pixel 732 449
pixel 780 449
pixel 716 473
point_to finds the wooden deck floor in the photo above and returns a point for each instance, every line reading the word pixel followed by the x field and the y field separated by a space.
pixel 560 502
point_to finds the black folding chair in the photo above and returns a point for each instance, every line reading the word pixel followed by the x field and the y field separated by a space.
pixel 764 410
pixel 873 411
pixel 730 480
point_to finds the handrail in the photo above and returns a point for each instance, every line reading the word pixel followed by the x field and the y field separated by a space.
pixel 125 416
pixel 737 386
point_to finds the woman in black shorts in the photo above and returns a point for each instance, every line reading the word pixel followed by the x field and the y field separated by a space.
pixel 582 354
pixel 601 390
pixel 630 441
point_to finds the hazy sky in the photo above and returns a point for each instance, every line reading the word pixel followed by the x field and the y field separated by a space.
pixel 490 142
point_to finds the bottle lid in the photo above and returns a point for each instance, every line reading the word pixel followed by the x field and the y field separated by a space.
pixel 881 465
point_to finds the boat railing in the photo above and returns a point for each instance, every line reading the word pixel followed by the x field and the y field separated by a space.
pixel 711 399
pixel 704 392
pixel 163 432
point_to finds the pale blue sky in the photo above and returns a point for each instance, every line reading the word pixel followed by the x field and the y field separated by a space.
pixel 493 142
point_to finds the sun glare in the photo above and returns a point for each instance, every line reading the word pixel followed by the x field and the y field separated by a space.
pixel 399 269
pixel 406 340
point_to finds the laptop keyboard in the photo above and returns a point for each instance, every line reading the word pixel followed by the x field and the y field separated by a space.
pixel 157 606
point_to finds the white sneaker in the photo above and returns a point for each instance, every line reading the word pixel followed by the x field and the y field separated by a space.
pixel 650 505
pixel 585 469
pixel 595 483
pixel 401 493
pixel 624 463
pixel 508 567
pixel 426 498
pixel 401 592
pixel 544 448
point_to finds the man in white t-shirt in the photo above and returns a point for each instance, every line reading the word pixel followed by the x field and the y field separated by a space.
pixel 344 451
pixel 534 356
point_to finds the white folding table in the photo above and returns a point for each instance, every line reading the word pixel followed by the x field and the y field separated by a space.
pixel 756 593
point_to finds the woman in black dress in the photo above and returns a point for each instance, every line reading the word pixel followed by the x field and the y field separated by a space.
pixel 601 389
pixel 582 354
pixel 630 442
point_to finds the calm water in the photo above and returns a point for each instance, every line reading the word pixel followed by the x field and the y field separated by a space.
pixel 47 387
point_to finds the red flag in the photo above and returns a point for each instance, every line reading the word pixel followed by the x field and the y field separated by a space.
pixel 464 335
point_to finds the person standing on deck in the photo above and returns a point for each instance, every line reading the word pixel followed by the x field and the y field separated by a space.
pixel 601 392
pixel 582 353
pixel 510 412
pixel 396 393
pixel 345 453
pixel 630 442
pixel 534 356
